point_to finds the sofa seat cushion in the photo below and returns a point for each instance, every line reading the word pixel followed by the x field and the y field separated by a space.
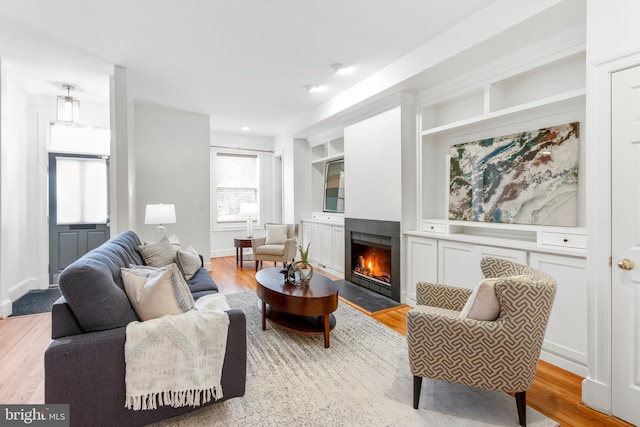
pixel 201 283
pixel 273 250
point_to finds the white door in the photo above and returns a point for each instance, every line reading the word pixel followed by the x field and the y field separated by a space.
pixel 625 235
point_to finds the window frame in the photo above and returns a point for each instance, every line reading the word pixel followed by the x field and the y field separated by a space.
pixel 240 224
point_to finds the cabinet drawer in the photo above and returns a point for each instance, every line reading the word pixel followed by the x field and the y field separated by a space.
pixel 434 227
pixel 566 240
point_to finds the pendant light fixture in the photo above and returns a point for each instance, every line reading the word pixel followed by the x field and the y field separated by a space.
pixel 68 107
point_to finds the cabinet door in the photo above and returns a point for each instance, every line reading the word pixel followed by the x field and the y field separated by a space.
pixel 422 267
pixel 456 264
pixel 307 236
pixel 565 343
pixel 338 248
pixel 322 244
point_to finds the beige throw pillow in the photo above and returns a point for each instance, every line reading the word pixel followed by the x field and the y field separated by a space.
pixel 157 292
pixel 188 261
pixel 158 254
pixel 276 234
pixel 483 303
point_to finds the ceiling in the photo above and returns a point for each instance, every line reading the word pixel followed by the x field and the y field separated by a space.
pixel 242 62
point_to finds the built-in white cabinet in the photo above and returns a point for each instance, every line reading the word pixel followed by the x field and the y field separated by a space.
pixel 422 256
pixel 455 264
pixel 454 259
pixel 565 343
pixel 326 239
pixel 323 149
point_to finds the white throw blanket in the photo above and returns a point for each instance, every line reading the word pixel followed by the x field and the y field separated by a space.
pixel 177 360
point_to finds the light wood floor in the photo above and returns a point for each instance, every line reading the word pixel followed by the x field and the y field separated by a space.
pixel 23 340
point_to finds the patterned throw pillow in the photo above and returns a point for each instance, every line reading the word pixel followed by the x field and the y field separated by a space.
pixel 157 292
pixel 276 234
pixel 158 254
pixel 188 261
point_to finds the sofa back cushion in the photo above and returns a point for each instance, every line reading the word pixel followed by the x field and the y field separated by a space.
pixel 93 285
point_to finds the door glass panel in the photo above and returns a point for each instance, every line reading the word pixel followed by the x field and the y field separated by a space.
pixel 81 188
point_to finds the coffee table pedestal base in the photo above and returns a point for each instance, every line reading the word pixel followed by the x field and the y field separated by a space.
pixel 309 325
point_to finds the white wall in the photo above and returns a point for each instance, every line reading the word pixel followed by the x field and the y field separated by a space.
pixel 612 29
pixel 172 166
pixel 373 167
pixel 222 235
pixel 19 255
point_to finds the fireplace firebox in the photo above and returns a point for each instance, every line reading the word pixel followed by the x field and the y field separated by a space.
pixel 372 255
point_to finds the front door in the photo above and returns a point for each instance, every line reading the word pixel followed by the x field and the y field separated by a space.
pixel 78 208
pixel 625 235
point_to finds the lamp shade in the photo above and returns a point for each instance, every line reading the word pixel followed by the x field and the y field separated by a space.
pixel 248 209
pixel 160 214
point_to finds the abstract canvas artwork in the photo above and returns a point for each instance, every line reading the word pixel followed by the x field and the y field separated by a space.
pixel 524 178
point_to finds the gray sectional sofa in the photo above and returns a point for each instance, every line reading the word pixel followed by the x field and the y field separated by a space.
pixel 84 364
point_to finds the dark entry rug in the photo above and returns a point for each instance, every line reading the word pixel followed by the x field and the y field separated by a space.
pixel 362 297
pixel 37 301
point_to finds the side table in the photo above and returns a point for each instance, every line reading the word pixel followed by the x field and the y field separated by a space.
pixel 240 243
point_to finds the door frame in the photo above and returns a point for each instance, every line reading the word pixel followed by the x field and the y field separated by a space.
pixel 597 387
pixel 52 157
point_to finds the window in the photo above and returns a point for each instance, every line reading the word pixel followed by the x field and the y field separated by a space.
pixel 78 139
pixel 236 183
pixel 81 190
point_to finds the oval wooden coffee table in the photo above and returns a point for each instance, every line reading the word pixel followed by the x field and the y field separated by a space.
pixel 305 309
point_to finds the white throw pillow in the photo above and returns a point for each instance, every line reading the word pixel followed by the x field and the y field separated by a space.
pixel 158 254
pixel 276 234
pixel 157 292
pixel 188 261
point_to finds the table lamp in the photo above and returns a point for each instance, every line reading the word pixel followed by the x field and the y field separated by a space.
pixel 160 214
pixel 249 210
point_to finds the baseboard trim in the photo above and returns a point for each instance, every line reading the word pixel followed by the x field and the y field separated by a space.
pixel 6 306
pixel 596 395
pixel 563 363
pixel 219 253
pixel 21 288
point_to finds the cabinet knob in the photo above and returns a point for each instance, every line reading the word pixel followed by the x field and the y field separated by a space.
pixel 565 240
pixel 626 264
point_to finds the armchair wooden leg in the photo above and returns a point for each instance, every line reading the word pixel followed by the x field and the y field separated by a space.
pixel 521 403
pixel 417 387
pixel 257 262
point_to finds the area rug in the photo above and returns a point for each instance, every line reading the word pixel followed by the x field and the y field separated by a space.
pixel 37 301
pixel 363 379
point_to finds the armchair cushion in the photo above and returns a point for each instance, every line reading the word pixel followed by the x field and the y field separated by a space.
pixel 272 250
pixel 276 234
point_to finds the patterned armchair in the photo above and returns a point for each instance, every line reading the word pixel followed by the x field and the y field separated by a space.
pixel 279 244
pixel 501 354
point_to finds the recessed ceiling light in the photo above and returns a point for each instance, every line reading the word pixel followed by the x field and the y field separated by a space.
pixel 246 128
pixel 314 88
pixel 341 69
